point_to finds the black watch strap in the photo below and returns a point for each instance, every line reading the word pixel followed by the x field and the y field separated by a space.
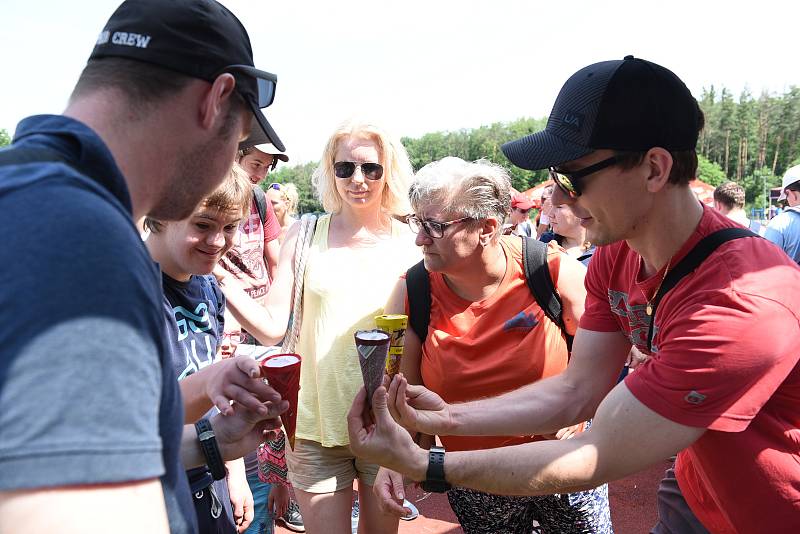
pixel 434 477
pixel 208 443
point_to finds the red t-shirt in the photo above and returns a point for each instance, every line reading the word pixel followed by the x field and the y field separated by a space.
pixel 245 260
pixel 482 349
pixel 725 358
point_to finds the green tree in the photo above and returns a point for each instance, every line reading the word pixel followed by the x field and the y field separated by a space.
pixel 757 186
pixel 5 139
pixel 300 176
pixel 710 172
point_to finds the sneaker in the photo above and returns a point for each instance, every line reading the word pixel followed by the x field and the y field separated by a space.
pixel 354 517
pixel 292 518
pixel 414 512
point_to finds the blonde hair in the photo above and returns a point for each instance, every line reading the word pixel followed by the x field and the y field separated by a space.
pixel 288 192
pixel 397 169
pixel 235 193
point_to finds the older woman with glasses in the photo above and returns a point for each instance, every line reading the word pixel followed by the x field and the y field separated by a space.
pixel 357 253
pixel 486 335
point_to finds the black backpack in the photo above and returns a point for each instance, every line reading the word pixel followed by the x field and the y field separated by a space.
pixel 537 275
pixel 261 203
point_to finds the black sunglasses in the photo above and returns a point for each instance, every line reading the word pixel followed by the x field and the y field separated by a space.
pixel 266 82
pixel 570 182
pixel 345 169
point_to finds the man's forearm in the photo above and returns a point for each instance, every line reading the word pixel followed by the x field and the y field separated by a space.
pixel 541 408
pixel 538 468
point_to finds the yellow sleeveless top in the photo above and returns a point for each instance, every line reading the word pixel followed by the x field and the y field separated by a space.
pixel 344 290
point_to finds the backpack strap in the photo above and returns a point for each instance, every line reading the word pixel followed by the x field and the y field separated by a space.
pixel 261 203
pixel 537 275
pixel 689 263
pixel 418 289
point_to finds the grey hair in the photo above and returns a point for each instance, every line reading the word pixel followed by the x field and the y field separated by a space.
pixel 479 189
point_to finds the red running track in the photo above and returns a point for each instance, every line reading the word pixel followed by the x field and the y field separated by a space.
pixel 633 507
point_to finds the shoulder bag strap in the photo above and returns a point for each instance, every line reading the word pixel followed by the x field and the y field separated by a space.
pixel 689 263
pixel 305 236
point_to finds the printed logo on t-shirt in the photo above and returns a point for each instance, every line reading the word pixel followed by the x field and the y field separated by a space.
pixel 637 318
pixel 192 328
pixel 521 321
pixel 694 397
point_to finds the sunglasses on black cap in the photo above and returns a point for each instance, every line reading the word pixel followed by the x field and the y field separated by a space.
pixel 346 169
pixel 266 82
pixel 570 182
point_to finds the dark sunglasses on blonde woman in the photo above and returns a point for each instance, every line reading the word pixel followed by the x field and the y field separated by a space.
pixel 345 169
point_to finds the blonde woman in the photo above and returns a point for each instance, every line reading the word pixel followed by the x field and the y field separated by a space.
pixel 357 253
pixel 284 198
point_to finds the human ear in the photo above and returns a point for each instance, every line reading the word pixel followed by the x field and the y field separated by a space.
pixel 658 161
pixel 216 100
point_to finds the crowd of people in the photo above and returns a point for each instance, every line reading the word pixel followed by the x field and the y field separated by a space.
pixel 172 249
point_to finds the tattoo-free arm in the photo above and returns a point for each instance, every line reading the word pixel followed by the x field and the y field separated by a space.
pixel 584 462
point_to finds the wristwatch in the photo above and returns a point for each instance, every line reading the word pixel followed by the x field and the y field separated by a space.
pixel 434 477
pixel 208 444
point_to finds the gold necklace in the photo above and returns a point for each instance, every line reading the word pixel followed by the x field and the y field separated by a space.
pixel 649 308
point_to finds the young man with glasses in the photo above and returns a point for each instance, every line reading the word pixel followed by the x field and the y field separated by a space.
pixel 93 438
pixel 620 145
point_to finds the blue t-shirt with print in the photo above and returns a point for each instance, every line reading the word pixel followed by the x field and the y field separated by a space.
pixel 194 313
pixel 86 384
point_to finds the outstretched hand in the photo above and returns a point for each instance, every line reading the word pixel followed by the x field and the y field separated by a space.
pixel 418 409
pixel 377 438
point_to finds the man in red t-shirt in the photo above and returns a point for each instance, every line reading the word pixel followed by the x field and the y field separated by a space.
pixel 721 383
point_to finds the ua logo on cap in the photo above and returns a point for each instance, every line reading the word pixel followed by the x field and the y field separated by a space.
pixel 694 397
pixel 572 120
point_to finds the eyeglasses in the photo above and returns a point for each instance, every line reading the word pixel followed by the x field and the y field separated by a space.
pixel 520 209
pixel 234 337
pixel 345 169
pixel 569 182
pixel 275 185
pixel 434 229
pixel 266 82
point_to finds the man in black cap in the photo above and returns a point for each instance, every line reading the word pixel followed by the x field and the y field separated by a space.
pixel 672 278
pixel 91 432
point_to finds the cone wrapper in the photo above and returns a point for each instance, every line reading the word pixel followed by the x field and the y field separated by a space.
pixel 282 371
pixel 395 325
pixel 372 347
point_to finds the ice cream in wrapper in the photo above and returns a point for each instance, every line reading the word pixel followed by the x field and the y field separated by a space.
pixel 372 347
pixel 282 371
pixel 395 325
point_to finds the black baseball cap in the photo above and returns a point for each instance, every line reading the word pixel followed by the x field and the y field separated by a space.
pixel 629 104
pixel 198 38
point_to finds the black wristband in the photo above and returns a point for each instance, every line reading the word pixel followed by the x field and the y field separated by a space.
pixel 434 477
pixel 208 443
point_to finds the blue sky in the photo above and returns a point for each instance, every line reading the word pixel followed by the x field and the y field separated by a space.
pixel 418 66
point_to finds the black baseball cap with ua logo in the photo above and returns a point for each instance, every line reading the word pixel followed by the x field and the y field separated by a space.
pixel 198 38
pixel 628 104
